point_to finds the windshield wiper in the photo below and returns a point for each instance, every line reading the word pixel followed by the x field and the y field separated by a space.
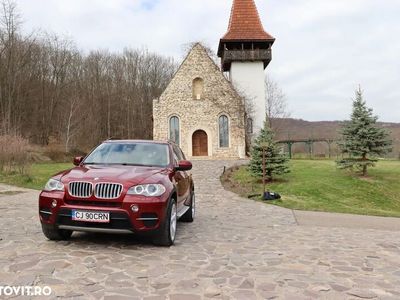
pixel 138 165
pixel 122 164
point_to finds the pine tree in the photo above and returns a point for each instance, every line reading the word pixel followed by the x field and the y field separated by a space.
pixel 276 163
pixel 362 139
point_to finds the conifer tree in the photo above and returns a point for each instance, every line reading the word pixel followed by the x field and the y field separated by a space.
pixel 362 139
pixel 276 163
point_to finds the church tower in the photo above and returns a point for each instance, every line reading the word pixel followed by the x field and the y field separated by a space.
pixel 245 52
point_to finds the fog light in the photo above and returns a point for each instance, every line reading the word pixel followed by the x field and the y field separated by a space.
pixel 54 204
pixel 134 208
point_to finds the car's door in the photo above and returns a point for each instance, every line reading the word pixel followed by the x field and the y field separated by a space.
pixel 182 179
pixel 189 179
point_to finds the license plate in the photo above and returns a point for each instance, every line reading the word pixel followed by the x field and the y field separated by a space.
pixel 91 216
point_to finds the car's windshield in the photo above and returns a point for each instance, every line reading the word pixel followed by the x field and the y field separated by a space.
pixel 141 154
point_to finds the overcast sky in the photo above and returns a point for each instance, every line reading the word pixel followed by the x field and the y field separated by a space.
pixel 324 49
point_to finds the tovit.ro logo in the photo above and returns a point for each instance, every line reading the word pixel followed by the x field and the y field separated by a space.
pixel 25 290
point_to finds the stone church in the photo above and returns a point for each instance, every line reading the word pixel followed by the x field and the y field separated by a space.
pixel 201 109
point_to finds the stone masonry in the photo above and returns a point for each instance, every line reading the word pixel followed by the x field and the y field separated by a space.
pixel 219 98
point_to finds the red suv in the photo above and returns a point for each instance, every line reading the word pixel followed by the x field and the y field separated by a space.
pixel 122 186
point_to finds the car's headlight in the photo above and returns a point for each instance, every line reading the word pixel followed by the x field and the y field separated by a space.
pixel 148 190
pixel 54 185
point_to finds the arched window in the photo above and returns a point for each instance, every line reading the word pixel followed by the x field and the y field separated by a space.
pixel 249 125
pixel 174 129
pixel 198 88
pixel 223 123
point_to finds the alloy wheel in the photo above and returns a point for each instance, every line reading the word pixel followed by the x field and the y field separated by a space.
pixel 193 205
pixel 173 220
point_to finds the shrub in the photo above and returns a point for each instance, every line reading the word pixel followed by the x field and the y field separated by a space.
pixel 77 152
pixel 61 156
pixel 276 162
pixel 57 155
pixel 14 154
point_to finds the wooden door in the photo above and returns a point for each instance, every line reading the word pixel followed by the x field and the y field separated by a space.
pixel 200 143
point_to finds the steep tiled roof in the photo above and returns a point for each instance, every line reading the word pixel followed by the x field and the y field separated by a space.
pixel 245 23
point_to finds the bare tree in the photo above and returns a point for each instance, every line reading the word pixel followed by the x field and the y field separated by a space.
pixel 73 102
pixel 52 93
pixel 276 104
pixel 14 53
pixel 249 119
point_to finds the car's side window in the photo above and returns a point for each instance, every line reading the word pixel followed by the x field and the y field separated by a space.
pixel 177 153
pixel 176 159
pixel 181 154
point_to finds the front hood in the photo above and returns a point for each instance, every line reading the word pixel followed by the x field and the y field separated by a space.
pixel 126 175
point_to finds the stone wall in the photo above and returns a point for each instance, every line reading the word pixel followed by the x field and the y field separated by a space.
pixel 219 97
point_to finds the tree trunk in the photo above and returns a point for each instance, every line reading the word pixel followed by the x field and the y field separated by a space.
pixel 364 171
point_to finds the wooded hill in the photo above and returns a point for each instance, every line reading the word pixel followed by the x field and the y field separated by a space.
pixel 297 129
pixel 50 92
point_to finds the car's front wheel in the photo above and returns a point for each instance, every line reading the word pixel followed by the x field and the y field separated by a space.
pixel 55 234
pixel 167 234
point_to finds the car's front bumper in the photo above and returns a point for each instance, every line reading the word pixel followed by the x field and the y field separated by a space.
pixel 122 219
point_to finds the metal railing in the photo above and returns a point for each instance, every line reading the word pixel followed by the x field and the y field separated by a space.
pixel 247 54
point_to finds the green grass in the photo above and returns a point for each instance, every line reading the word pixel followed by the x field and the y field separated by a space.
pixel 312 185
pixel 37 176
pixel 318 186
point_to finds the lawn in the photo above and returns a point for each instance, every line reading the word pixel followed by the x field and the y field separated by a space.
pixel 37 176
pixel 318 186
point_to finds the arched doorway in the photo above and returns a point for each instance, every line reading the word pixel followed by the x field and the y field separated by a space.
pixel 200 143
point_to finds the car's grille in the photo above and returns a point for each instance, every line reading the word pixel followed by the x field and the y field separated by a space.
pixel 80 189
pixel 108 190
pixel 93 203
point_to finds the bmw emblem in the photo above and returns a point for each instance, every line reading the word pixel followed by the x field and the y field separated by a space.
pixel 96 178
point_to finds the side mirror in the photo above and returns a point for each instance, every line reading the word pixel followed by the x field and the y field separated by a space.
pixel 184 165
pixel 78 160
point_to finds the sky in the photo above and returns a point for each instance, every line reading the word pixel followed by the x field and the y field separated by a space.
pixel 324 49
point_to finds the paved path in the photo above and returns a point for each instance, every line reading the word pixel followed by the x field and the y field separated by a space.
pixel 235 249
pixel 312 218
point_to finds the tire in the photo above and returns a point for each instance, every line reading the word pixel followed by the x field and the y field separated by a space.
pixel 191 212
pixel 55 234
pixel 167 233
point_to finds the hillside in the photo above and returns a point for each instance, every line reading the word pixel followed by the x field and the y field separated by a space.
pixel 297 129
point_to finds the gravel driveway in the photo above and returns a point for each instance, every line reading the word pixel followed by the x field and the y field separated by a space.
pixel 235 249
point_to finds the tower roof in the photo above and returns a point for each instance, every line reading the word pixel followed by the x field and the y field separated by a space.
pixel 245 23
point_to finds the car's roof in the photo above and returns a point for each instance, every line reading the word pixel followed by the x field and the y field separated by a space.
pixel 137 141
